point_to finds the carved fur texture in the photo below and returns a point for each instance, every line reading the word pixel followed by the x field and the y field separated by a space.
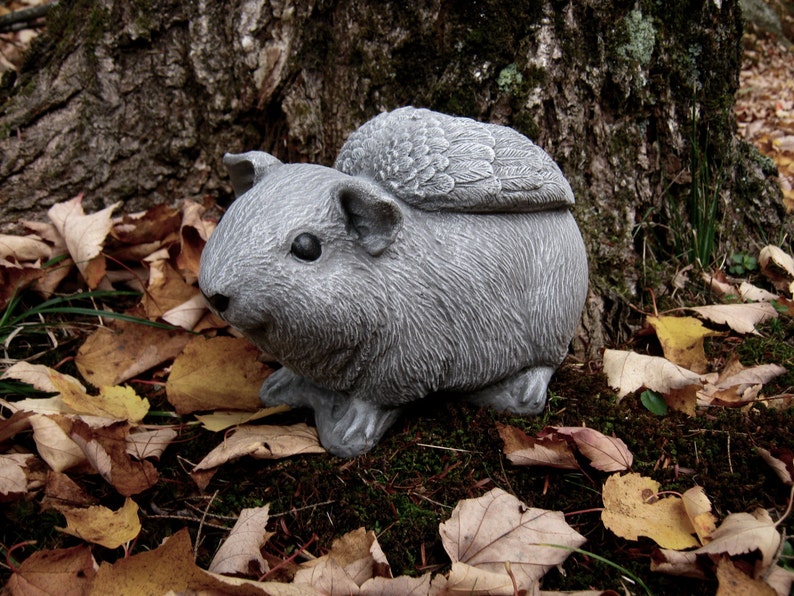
pixel 438 256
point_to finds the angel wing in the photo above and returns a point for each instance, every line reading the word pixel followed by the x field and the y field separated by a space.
pixel 437 162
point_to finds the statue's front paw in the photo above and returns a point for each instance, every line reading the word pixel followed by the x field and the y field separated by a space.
pixel 284 387
pixel 353 427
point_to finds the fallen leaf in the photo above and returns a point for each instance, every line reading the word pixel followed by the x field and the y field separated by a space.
pixel 488 531
pixel 118 403
pixel 738 534
pixel 608 454
pixel 751 293
pixel 218 373
pixel 60 571
pixel 682 340
pixel 398 586
pixel 263 442
pixel 101 525
pixel 733 582
pixel 167 569
pixel 152 225
pixel 61 490
pixel 465 580
pixel 739 385
pixel 14 473
pixel 523 450
pixel 51 434
pixel 110 356
pixel 698 510
pixel 21 249
pixel 150 444
pixel 194 234
pixel 633 509
pixel 742 318
pixel 241 552
pixel 84 236
pixel 167 289
pixel 778 266
pixel 106 449
pixel 781 460
pixel 188 314
pixel 221 420
pixel 628 371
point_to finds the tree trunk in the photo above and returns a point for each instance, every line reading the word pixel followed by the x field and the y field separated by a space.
pixel 138 101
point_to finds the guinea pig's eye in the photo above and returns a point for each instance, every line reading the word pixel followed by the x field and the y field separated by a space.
pixel 306 247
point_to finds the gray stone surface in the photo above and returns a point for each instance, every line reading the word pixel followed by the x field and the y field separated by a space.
pixel 438 255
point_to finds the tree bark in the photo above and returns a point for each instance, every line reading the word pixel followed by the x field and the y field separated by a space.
pixel 138 101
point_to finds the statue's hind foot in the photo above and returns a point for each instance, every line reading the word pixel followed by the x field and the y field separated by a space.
pixel 523 393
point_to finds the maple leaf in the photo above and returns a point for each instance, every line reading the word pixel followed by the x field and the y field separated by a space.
pixel 84 236
pixel 632 509
pixel 115 354
pixel 263 442
pixel 101 525
pixel 240 552
pixel 14 472
pixel 218 373
pixel 59 571
pixel 523 450
pixel 682 340
pixel 742 318
pixel 627 371
pixel 486 532
pixel 608 454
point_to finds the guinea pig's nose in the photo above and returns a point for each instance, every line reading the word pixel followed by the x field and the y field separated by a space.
pixel 218 302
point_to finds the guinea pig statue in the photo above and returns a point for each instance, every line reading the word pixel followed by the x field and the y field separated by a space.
pixel 438 255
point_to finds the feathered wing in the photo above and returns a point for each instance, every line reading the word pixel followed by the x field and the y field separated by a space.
pixel 437 162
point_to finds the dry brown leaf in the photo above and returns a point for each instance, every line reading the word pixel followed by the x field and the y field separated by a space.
pixel 150 444
pixel 60 571
pixel 734 582
pixel 21 249
pixel 263 442
pixel 61 490
pixel 18 422
pixel 778 266
pixel 742 318
pixel 523 450
pixel 14 469
pixel 719 284
pixel 194 233
pixel 167 289
pixel 241 552
pixel 220 420
pixel 464 580
pixel 106 449
pixel 738 534
pixel 739 385
pixel 218 373
pixel 167 569
pixel 398 586
pixel 683 399
pixel 188 314
pixel 751 293
pixel 84 236
pixel 497 527
pixel 628 371
pixel 154 225
pixel 608 454
pixel 354 559
pixel 682 340
pixel 51 434
pixel 110 356
pixel 101 525
pixel 633 509
pixel 698 510
pixel 781 460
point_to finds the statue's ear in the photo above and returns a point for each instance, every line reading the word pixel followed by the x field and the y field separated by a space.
pixel 246 169
pixel 372 217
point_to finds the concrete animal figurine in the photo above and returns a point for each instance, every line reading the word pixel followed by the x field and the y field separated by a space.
pixel 438 255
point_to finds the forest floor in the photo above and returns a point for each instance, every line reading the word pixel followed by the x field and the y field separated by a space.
pixel 138 459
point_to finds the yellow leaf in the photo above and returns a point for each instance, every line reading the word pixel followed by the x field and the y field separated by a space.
pixel 119 403
pixel 633 509
pixel 682 340
pixel 218 421
pixel 210 374
pixel 698 508
pixel 101 525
